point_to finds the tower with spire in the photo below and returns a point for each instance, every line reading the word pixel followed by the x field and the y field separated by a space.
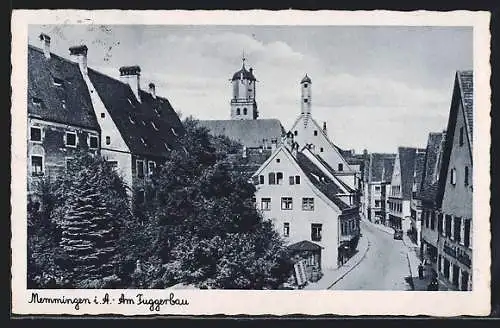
pixel 305 84
pixel 243 103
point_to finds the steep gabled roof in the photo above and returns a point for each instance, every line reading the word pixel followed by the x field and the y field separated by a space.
pixel 419 169
pixel 57 91
pixel 333 172
pixel 378 167
pixel 407 160
pixel 428 183
pixel 388 168
pixel 146 126
pixel 321 181
pixel 462 94
pixel 250 133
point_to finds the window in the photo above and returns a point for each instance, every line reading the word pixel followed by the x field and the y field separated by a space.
pixel 321 149
pixel 465 280
pixel 279 178
pixel 316 232
pixel 238 112
pixel 446 268
pixel 377 203
pixel 433 220
pixel 291 180
pixel 466 176
pixel 261 179
pixel 440 259
pixel 265 204
pixel 308 204
pixel 37 101
pixel 113 164
pixel 296 132
pixel 103 115
pixel 467 233
pixel 93 141
pixel 315 132
pixel 305 85
pixel 286 203
pixel 151 167
pixel 377 188
pixel 70 139
pixel 272 178
pixel 140 169
pixel 461 137
pixel 427 217
pixel 286 229
pixel 341 167
pixel 453 176
pixel 447 231
pixel 244 111
pixel 108 140
pixel 455 275
pixel 297 179
pixel 278 160
pixel 440 223
pixel 36 134
pixel 36 165
pixel 457 227
pixel 306 100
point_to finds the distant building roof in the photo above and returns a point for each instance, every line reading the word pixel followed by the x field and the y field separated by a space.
pixel 57 91
pixel 321 181
pixel 250 133
pixel 148 127
pixel 379 167
pixel 465 81
pixel 333 172
pixel 306 79
pixel 430 173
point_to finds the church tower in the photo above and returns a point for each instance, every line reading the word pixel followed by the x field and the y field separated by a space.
pixel 306 95
pixel 243 103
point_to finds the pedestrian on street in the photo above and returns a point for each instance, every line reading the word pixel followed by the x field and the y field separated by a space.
pixel 420 271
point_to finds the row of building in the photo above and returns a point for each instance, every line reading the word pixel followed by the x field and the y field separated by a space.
pixel 308 186
pixel 427 193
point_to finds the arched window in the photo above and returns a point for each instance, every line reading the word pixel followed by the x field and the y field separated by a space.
pixel 272 178
pixel 238 111
pixel 244 111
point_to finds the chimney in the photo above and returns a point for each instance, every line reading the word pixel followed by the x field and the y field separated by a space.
pixel 289 139
pixel 131 76
pixel 324 128
pixel 152 90
pixel 79 55
pixel 295 149
pixel 45 44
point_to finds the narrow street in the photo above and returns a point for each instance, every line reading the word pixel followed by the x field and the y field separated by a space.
pixel 385 266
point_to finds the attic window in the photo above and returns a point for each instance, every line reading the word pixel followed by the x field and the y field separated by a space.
pixel 173 131
pixel 154 126
pixel 37 101
pixel 58 82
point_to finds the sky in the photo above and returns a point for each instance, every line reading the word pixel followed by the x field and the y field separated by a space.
pixel 377 88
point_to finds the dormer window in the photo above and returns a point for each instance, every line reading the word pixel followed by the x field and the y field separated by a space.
pixel 70 139
pixel 154 126
pixel 58 82
pixel 35 134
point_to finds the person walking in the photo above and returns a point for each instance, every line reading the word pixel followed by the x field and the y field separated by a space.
pixel 420 271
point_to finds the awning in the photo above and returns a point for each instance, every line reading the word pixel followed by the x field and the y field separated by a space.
pixel 305 245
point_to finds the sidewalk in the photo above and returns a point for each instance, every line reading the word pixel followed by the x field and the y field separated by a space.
pixel 331 277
